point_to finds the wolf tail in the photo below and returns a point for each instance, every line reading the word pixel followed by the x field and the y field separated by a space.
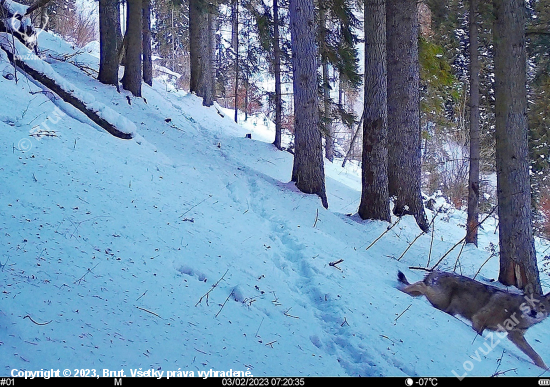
pixel 401 278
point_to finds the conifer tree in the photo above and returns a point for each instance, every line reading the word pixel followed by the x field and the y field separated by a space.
pixel 308 169
pixel 404 155
pixel 131 80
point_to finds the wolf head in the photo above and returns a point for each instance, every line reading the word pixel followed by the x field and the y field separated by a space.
pixel 535 308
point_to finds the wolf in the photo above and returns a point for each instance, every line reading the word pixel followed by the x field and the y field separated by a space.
pixel 485 306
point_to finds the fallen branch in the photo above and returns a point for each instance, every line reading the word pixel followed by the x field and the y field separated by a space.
pixel 39 71
pixel 410 245
pixel 384 233
pixel 418 236
pixel 462 240
pixel 37 323
pixel 219 311
pixel 458 256
pixel 289 315
pixel 432 239
pixel 419 268
pixel 142 295
pixel 333 264
pixel 148 311
pixel 359 127
pixel 487 260
pixel 211 288
pixel 316 218
pixel 401 314
pixel 198 204
pixel 89 270
pixel 261 322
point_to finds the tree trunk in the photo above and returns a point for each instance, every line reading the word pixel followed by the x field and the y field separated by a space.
pixel 473 180
pixel 201 82
pixel 308 169
pixel 131 80
pixel 109 11
pixel 375 203
pixel 37 4
pixel 326 120
pixel 404 153
pixel 212 28
pixel 277 74
pixel 518 264
pixel 43 18
pixel 146 43
pixel 235 47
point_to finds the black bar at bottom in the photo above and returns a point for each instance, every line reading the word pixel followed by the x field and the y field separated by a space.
pixel 274 381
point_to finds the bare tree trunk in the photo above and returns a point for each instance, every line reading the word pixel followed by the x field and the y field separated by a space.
pixel 200 54
pixel 246 90
pixel 308 170
pixel 43 19
pixel 147 49
pixel 277 73
pixel 235 47
pixel 212 27
pixel 473 180
pixel 108 53
pixel 404 153
pixel 37 4
pixel 375 202
pixel 518 264
pixel 326 119
pixel 131 80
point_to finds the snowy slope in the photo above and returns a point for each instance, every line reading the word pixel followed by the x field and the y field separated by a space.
pixel 187 249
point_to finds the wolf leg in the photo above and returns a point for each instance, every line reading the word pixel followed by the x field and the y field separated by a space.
pixel 518 339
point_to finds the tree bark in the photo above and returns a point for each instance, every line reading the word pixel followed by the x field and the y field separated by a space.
pixel 43 18
pixel 109 11
pixel 146 43
pixel 308 169
pixel 131 80
pixel 404 153
pixel 37 4
pixel 201 82
pixel 277 74
pixel 235 47
pixel 518 264
pixel 375 203
pixel 473 179
pixel 326 120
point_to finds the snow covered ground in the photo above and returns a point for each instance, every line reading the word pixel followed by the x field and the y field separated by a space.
pixel 186 248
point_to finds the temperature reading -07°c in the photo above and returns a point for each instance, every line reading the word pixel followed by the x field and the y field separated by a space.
pixel 422 382
pixel 427 382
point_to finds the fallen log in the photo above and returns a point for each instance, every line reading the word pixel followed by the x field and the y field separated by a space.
pixel 33 66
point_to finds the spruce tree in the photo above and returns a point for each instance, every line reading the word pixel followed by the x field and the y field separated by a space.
pixel 404 155
pixel 375 203
pixel 131 80
pixel 518 264
pixel 308 169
